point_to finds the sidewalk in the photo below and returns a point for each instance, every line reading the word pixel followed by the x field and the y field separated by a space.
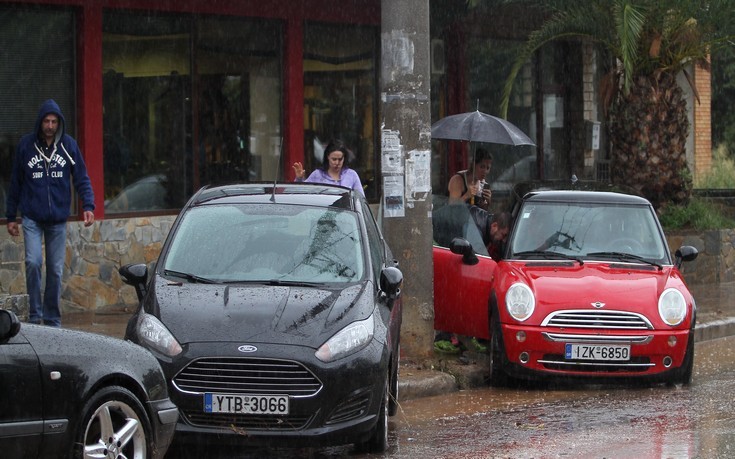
pixel 715 319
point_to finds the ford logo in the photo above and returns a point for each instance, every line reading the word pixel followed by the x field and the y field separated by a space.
pixel 597 304
pixel 247 348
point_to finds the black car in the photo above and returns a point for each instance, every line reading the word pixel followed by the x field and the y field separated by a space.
pixel 275 312
pixel 67 393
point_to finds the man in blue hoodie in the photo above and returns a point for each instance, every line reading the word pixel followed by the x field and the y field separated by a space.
pixel 47 162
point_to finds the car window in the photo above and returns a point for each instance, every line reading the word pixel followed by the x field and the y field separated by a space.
pixel 377 254
pixel 255 242
pixel 455 220
pixel 582 229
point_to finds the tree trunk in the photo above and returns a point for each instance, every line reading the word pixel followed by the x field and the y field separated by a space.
pixel 648 131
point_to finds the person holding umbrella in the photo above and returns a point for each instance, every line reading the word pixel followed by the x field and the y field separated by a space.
pixel 469 185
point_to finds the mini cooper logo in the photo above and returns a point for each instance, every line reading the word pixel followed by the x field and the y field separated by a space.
pixel 247 348
pixel 597 304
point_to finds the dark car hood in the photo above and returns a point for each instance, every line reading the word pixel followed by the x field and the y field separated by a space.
pixel 258 313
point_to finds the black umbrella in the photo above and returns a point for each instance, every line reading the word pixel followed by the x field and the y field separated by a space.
pixel 479 127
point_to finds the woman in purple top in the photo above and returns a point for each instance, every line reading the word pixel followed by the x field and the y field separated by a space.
pixel 334 170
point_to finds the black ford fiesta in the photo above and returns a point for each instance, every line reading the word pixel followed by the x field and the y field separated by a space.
pixel 67 393
pixel 275 312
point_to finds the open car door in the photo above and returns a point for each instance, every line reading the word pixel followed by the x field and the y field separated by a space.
pixel 461 278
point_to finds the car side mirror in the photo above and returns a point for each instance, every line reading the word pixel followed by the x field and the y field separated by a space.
pixel 462 246
pixel 9 325
pixel 391 279
pixel 137 276
pixel 685 253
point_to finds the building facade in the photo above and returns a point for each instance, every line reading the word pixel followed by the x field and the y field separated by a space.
pixel 167 96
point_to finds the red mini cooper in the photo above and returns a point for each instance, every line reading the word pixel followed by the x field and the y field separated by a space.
pixel 586 287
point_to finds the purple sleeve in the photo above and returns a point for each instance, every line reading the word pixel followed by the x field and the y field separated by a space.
pixel 353 181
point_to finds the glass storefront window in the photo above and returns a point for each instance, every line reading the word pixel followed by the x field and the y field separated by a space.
pixel 33 67
pixel 188 101
pixel 340 91
pixel 490 61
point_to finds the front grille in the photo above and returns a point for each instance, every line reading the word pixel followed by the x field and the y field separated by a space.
pixel 242 375
pixel 558 362
pixel 588 318
pixel 598 339
pixel 243 423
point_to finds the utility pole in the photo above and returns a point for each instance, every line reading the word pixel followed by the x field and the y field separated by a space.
pixel 406 163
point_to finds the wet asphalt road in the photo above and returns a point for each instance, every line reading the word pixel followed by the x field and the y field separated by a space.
pixel 571 421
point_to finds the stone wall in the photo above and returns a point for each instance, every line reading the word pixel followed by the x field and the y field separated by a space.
pixel 716 260
pixel 93 255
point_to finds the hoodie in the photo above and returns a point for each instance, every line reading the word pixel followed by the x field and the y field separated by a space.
pixel 41 179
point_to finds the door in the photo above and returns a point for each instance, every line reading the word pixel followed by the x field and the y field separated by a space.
pixel 461 286
pixel 21 416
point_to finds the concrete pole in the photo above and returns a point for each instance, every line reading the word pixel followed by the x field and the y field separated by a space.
pixel 406 163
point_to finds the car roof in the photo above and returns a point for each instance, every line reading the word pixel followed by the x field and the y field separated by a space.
pixel 307 194
pixel 591 197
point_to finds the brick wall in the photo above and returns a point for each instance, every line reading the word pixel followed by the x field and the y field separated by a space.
pixel 702 116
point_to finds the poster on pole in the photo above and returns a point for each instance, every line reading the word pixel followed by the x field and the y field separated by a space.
pixel 393 202
pixel 418 174
pixel 391 150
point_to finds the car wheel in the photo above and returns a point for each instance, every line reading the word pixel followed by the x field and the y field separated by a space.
pixel 684 374
pixel 113 424
pixel 378 441
pixel 498 376
pixel 393 396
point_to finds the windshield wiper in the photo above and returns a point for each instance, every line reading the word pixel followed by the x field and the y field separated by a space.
pixel 188 276
pixel 548 254
pixel 627 257
pixel 293 283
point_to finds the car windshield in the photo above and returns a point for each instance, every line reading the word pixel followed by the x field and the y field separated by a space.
pixel 266 243
pixel 589 231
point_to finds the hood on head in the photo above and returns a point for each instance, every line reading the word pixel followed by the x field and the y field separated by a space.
pixel 50 106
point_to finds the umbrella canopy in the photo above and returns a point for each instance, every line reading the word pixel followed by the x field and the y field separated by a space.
pixel 479 127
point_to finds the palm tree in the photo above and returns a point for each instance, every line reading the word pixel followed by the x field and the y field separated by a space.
pixel 649 42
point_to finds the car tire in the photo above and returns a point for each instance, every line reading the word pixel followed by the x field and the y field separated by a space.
pixel 119 409
pixel 498 376
pixel 684 373
pixel 378 441
pixel 393 395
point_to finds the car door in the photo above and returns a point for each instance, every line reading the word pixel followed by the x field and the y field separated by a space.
pixel 461 289
pixel 21 415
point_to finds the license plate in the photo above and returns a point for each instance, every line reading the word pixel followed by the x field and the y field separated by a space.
pixel 614 352
pixel 245 404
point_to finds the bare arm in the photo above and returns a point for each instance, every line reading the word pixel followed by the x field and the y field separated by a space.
pixel 456 188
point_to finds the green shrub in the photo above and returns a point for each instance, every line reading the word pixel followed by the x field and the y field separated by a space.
pixel 699 214
pixel 722 173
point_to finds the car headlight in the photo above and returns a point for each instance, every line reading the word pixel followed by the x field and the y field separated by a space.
pixel 672 307
pixel 155 335
pixel 347 341
pixel 520 302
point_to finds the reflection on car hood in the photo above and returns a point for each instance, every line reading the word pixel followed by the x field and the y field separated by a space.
pixel 622 287
pixel 258 313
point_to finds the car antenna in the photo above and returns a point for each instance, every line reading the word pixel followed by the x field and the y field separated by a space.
pixel 278 168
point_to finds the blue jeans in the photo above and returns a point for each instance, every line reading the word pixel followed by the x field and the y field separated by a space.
pixel 54 236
